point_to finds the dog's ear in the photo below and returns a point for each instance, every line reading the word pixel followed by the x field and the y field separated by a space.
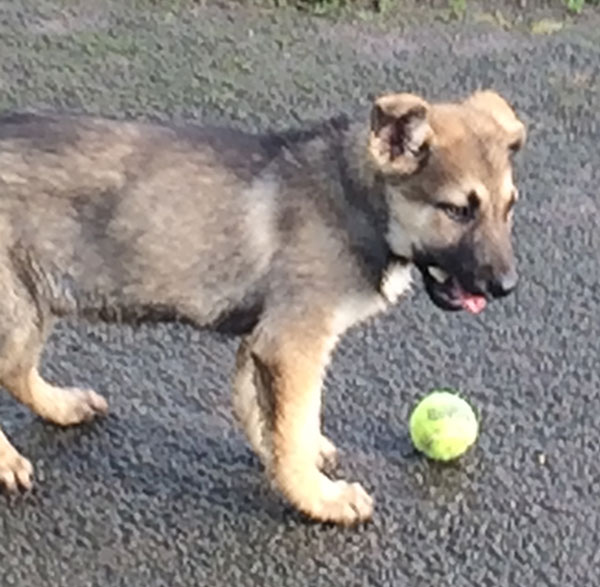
pixel 400 134
pixel 503 114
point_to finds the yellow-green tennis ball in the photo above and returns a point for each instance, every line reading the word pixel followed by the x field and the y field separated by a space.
pixel 443 426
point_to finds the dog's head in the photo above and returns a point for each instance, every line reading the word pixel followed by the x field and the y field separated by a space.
pixel 448 177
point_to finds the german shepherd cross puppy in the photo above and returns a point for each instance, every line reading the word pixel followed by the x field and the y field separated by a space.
pixel 287 239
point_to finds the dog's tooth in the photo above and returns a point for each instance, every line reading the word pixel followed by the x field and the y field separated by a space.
pixel 438 274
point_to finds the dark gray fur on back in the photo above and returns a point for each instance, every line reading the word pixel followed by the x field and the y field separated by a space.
pixel 129 221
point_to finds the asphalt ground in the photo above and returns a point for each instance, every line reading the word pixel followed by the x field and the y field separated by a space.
pixel 165 491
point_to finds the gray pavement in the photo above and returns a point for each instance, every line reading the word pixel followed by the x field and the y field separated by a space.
pixel 165 492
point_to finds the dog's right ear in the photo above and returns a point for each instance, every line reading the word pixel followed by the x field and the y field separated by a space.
pixel 400 134
pixel 494 105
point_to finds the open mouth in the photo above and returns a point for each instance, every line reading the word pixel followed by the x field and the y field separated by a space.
pixel 447 292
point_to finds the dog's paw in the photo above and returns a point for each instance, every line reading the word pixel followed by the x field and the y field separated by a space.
pixel 337 502
pixel 343 503
pixel 327 457
pixel 15 471
pixel 74 406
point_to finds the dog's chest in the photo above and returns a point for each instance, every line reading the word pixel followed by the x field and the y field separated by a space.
pixel 396 282
pixel 356 307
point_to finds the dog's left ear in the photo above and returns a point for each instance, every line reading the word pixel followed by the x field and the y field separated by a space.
pixel 400 133
pixel 503 114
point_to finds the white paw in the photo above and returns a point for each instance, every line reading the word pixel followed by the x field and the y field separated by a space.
pixel 15 471
pixel 73 406
pixel 344 503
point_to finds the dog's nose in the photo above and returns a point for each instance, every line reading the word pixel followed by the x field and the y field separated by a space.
pixel 503 284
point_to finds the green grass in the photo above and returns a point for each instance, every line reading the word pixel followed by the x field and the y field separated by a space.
pixel 314 6
pixel 458 8
pixel 577 6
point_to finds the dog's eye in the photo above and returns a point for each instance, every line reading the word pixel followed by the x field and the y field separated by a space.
pixel 457 213
pixel 461 213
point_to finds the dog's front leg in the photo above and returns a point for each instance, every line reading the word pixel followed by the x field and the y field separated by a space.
pixel 253 411
pixel 278 398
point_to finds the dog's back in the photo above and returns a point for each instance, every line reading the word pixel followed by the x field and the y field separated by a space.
pixel 120 217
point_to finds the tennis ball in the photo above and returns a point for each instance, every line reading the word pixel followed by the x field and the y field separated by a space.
pixel 443 425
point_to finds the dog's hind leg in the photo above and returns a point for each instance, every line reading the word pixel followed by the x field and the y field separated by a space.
pixel 15 470
pixel 65 406
pixel 22 335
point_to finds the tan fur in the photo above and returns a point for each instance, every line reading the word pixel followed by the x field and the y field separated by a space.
pixel 458 171
pixel 298 363
pixel 492 104
pixel 254 417
pixel 62 406
pixel 418 131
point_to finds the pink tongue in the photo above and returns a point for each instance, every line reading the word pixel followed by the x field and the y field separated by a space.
pixel 472 303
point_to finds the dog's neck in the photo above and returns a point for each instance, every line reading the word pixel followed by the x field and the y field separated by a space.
pixel 368 211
